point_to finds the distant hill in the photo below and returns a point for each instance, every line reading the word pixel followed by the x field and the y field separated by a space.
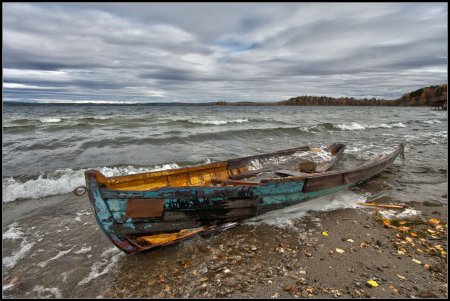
pixel 421 97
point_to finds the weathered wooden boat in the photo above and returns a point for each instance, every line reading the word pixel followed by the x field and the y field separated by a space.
pixel 142 211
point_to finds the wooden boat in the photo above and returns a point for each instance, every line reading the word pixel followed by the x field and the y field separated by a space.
pixel 142 211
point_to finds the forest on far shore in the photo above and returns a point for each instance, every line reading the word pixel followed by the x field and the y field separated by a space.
pixel 420 97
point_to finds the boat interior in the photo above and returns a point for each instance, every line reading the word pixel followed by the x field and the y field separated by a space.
pixel 251 170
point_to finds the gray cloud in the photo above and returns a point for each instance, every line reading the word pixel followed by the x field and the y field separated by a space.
pixel 196 52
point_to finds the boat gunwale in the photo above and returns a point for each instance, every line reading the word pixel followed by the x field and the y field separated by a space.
pixel 199 167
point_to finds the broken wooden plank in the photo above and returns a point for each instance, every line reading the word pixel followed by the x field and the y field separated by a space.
pixel 247 174
pixel 292 173
pixel 167 238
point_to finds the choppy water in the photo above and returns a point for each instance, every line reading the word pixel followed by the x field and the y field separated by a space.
pixel 51 241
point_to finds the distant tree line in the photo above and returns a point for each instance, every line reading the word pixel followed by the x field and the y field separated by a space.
pixel 421 97
pixel 331 101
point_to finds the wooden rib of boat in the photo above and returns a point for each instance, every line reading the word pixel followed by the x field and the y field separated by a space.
pixel 142 211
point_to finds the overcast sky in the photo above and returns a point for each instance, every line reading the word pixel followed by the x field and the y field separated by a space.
pixel 199 52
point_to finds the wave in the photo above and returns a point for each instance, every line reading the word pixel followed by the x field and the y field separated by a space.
pixel 431 121
pixel 185 135
pixel 50 119
pixel 319 155
pixel 189 137
pixel 367 151
pixel 350 127
pixel 356 126
pixel 219 122
pixel 440 137
pixel 63 181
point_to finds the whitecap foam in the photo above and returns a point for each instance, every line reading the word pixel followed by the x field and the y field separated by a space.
pixel 64 181
pixel 383 125
pixel 319 155
pixel 128 170
pixel 398 125
pixel 102 267
pixel 368 151
pixel 387 126
pixel 219 122
pixel 54 292
pixel 42 186
pixel 432 121
pixel 7 287
pixel 308 128
pixel 354 126
pixel 83 250
pixel 15 232
pixel 64 277
pixel 287 216
pixel 424 138
pixel 350 127
pixel 50 119
pixel 395 214
pixel 256 164
pixel 11 261
pixel 60 254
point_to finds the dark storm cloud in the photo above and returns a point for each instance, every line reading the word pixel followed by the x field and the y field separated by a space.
pixel 212 51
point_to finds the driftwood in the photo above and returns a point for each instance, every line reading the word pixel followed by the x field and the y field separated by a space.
pixel 385 206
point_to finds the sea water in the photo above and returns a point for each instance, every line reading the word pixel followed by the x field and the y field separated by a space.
pixel 52 245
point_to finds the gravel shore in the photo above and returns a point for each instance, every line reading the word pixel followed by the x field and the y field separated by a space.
pixel 342 253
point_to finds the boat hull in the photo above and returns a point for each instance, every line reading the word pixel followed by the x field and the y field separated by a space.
pixel 126 215
pixel 240 203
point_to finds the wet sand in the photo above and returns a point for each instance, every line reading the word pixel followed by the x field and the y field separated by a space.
pixel 57 250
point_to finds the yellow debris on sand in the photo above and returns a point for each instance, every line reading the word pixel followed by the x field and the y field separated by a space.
pixel 372 283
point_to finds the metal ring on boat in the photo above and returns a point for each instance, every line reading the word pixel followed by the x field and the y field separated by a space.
pixel 79 191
